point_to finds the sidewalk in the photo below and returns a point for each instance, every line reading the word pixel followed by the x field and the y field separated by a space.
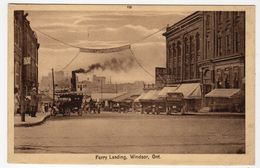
pixel 31 121
pixel 215 113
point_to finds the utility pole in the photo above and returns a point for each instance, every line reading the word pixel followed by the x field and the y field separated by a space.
pixel 53 87
pixel 116 89
pixel 101 91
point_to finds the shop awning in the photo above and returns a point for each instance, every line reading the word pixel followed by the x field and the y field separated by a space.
pixel 140 97
pixel 189 90
pixel 223 93
pixel 129 96
pixel 166 90
pixel 150 95
pixel 105 96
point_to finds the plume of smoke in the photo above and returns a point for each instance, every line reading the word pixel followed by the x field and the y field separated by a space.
pixel 114 64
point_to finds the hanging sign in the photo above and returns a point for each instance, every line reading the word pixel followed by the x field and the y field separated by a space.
pixel 105 50
pixel 27 60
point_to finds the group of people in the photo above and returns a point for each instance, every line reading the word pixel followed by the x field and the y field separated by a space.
pixel 30 102
pixel 91 106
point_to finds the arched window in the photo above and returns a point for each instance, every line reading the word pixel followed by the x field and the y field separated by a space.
pixel 179 58
pixel 179 49
pixel 192 43
pixel 207 20
pixel 186 45
pixel 219 17
pixel 197 42
pixel 219 45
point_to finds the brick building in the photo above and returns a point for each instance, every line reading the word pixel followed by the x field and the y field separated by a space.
pixel 207 47
pixel 25 55
pixel 160 76
pixel 18 50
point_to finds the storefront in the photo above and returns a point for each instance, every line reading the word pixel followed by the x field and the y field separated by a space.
pixel 150 102
pixel 225 100
pixel 192 96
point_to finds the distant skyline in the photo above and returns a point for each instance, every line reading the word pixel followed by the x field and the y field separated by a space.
pixel 101 29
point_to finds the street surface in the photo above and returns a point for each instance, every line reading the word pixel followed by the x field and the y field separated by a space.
pixel 133 133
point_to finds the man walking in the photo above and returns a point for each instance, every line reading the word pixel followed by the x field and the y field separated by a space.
pixel 33 102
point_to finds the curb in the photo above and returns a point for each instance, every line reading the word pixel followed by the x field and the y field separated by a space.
pixel 217 114
pixel 32 123
pixel 204 114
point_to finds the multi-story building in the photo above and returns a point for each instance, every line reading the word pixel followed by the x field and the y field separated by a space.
pixel 30 54
pixel 160 76
pixel 18 50
pixel 25 55
pixel 207 47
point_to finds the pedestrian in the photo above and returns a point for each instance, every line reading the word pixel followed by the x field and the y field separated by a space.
pixel 46 107
pixel 90 105
pixel 16 101
pixel 42 107
pixel 33 102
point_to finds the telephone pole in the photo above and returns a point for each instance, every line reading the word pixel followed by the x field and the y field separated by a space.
pixel 101 91
pixel 53 87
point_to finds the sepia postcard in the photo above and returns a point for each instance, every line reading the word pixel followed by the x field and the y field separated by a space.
pixel 131 84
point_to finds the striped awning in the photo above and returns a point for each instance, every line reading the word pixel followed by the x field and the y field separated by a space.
pixel 223 93
pixel 189 90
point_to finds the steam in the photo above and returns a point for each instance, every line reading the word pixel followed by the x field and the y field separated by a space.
pixel 114 64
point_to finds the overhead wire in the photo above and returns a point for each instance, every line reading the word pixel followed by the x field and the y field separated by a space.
pixel 150 35
pixel 77 54
pixel 132 53
pixel 53 38
pixel 144 69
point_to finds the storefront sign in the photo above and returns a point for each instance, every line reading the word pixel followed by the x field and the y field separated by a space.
pixel 27 60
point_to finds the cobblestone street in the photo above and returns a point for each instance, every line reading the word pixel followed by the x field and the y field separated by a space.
pixel 133 133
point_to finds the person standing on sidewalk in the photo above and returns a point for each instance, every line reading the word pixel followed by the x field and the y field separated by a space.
pixel 16 101
pixel 33 102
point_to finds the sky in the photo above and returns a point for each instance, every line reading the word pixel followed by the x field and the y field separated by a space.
pixel 102 29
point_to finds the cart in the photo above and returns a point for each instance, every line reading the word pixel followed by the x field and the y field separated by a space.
pixel 68 103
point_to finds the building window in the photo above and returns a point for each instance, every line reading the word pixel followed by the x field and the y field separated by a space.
pixel 178 72
pixel 192 44
pixel 168 59
pixel 227 83
pixel 197 42
pixel 174 60
pixel 219 83
pixel 227 15
pixel 186 45
pixel 197 72
pixel 228 46
pixel 227 78
pixel 208 49
pixel 236 82
pixel 207 20
pixel 236 41
pixel 219 46
pixel 192 71
pixel 187 70
pixel 236 77
pixel 179 49
pixel 198 46
pixel 219 17
pixel 16 32
pixel 236 14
